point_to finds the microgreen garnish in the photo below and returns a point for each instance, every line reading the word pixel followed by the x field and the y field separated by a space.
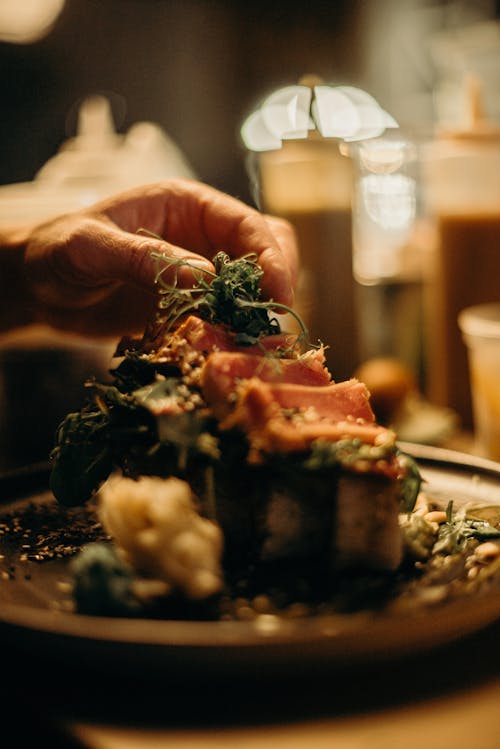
pixel 229 296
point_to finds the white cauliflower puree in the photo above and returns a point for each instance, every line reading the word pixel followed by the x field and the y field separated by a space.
pixel 155 524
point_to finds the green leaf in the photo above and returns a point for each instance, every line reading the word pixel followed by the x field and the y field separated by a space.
pixel 78 471
pixel 459 529
pixel 231 297
pixel 411 483
pixel 134 371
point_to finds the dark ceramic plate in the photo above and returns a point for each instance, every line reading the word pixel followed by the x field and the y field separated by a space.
pixel 33 599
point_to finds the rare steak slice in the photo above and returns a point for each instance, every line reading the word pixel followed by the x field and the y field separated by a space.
pixel 223 373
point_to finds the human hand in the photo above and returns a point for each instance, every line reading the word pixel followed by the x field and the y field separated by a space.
pixel 93 273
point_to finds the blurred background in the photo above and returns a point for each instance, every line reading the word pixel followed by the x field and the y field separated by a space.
pixel 198 67
pixel 176 81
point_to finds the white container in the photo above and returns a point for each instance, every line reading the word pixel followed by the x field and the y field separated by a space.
pixel 480 326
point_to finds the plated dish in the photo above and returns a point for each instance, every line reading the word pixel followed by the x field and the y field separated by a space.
pixel 34 599
pixel 233 474
pixel 221 501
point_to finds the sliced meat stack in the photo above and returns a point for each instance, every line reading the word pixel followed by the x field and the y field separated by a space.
pixel 318 478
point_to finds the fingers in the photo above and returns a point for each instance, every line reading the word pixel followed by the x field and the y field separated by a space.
pixel 288 256
pixel 76 261
pixel 93 271
pixel 196 218
pixel 131 259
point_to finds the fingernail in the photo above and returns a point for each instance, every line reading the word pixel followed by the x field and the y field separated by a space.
pixel 199 263
pixel 203 265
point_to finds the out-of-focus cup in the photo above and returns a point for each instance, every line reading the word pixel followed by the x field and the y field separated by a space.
pixel 480 327
pixel 389 239
pixel 309 182
pixel 460 196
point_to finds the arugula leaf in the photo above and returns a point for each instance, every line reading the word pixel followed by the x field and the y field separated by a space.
pixel 134 371
pixel 411 483
pixel 81 459
pixel 459 529
pixel 155 429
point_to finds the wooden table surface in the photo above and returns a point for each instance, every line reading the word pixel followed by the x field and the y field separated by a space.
pixel 444 698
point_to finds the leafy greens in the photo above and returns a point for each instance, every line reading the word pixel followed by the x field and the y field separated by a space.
pixel 231 297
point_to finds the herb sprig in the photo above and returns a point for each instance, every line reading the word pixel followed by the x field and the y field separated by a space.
pixel 229 296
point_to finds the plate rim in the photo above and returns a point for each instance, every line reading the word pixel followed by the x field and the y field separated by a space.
pixel 325 634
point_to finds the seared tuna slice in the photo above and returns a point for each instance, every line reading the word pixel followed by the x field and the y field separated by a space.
pixel 336 401
pixel 206 338
pixel 224 372
pixel 344 408
pixel 194 341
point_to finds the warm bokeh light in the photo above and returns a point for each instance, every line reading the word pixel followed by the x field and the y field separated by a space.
pixel 26 21
pixel 284 115
pixel 343 112
pixel 383 156
pixel 390 200
pixel 286 112
pixel 385 209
